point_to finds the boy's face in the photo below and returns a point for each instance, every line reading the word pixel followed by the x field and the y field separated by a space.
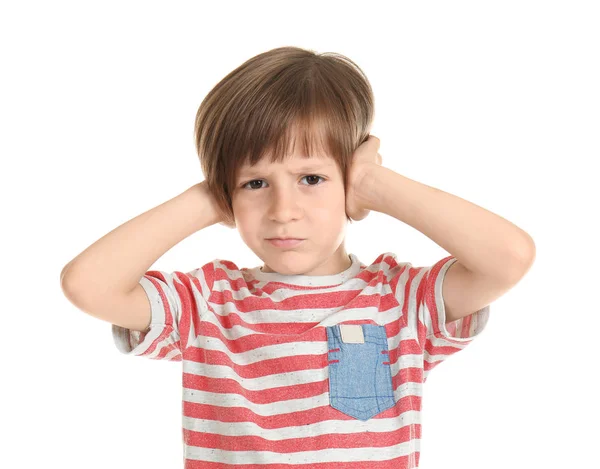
pixel 273 200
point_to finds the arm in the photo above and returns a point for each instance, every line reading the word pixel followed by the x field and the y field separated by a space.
pixel 103 280
pixel 492 253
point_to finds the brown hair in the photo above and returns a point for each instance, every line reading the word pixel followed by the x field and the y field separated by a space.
pixel 325 100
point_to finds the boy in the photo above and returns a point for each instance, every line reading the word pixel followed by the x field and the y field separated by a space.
pixel 315 358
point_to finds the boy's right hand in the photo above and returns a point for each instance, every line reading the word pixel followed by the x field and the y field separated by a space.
pixel 214 214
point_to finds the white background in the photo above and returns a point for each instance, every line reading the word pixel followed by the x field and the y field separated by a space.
pixel 496 102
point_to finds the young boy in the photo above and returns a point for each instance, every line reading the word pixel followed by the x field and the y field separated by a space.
pixel 314 359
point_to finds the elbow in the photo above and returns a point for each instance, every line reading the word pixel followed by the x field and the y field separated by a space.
pixel 526 255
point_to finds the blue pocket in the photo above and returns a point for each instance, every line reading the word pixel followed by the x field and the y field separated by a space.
pixel 360 381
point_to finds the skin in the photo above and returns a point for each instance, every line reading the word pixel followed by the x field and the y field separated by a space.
pixel 272 201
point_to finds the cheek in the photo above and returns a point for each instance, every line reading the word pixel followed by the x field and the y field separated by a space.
pixel 247 218
pixel 333 200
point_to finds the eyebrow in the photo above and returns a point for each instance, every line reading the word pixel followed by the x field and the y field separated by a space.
pixel 303 169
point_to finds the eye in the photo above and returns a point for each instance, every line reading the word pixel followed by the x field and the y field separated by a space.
pixel 309 176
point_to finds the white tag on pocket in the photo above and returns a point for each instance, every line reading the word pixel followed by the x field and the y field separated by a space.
pixel 352 334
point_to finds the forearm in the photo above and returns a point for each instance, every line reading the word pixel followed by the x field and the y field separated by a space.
pixel 481 240
pixel 117 261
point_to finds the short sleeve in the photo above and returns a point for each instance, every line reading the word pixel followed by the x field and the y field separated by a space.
pixel 177 300
pixel 419 290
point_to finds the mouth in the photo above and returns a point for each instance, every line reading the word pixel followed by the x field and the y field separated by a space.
pixel 285 242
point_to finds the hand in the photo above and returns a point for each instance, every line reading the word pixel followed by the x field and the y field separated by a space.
pixel 363 159
pixel 211 212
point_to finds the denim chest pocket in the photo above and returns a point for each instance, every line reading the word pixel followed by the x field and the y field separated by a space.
pixel 360 380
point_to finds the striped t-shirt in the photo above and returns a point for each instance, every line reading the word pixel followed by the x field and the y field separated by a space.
pixel 254 347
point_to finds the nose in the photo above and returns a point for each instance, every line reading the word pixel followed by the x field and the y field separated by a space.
pixel 285 205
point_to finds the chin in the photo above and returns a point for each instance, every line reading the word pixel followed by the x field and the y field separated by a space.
pixel 283 270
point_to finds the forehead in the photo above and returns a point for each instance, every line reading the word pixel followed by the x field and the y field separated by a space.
pixel 292 164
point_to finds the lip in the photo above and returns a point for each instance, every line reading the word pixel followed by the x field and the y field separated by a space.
pixel 285 243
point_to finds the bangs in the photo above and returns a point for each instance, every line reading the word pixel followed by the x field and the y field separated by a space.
pixel 309 139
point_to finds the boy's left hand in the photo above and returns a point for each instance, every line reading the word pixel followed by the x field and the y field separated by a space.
pixel 363 159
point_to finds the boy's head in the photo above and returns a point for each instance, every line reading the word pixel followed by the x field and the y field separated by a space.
pixel 279 112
